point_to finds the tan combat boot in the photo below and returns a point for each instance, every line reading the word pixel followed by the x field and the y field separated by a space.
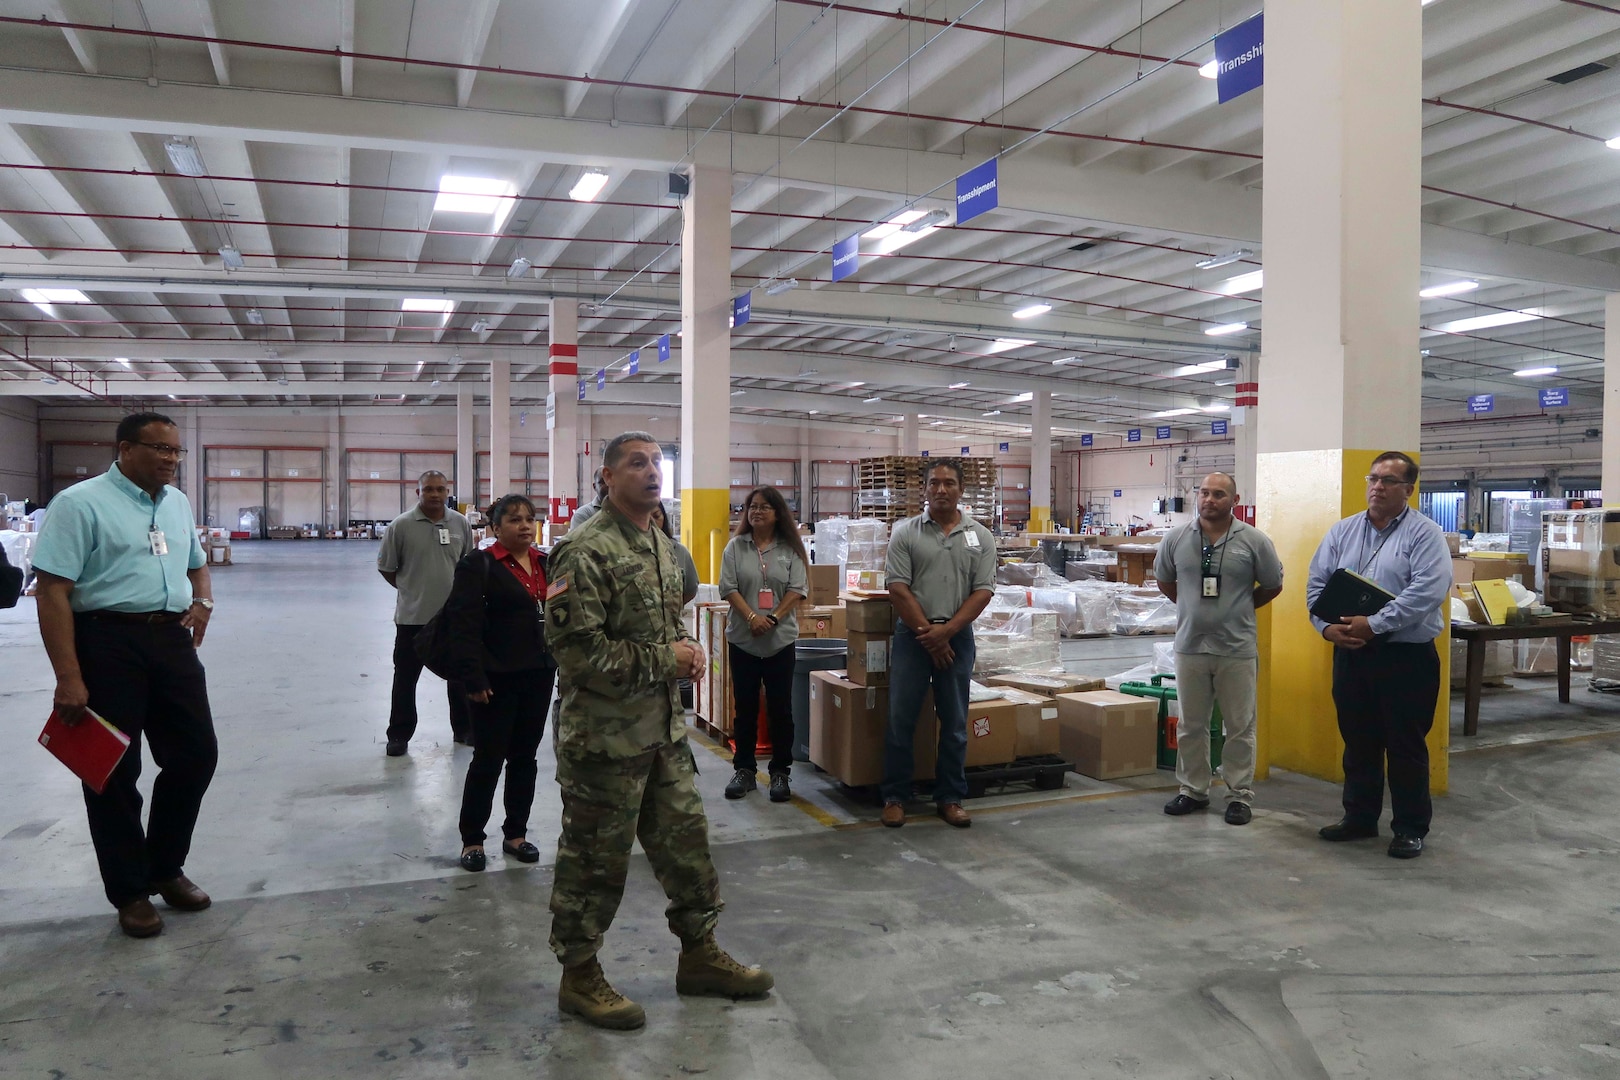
pixel 706 968
pixel 587 994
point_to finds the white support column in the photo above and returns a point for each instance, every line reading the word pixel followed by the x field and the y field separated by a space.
pixel 1040 463
pixel 335 486
pixel 807 480
pixel 562 412
pixel 908 435
pixel 466 447
pixel 1244 425
pixel 191 439
pixel 500 428
pixel 706 364
pixel 1611 407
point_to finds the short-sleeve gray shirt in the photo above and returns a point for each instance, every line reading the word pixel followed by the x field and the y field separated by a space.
pixel 740 573
pixel 423 565
pixel 1221 625
pixel 941 569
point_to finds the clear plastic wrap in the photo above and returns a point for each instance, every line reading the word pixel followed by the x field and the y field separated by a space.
pixel 1144 611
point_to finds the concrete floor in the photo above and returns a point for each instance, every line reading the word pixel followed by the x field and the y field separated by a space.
pixel 1079 933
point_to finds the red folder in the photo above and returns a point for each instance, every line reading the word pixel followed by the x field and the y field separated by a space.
pixel 92 748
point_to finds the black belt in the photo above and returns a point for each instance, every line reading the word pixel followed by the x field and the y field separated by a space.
pixel 142 618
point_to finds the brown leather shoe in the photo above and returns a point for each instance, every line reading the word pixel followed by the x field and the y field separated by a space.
pixel 954 815
pixel 139 918
pixel 181 894
pixel 894 815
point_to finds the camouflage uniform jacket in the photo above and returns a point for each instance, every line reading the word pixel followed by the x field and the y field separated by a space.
pixel 613 613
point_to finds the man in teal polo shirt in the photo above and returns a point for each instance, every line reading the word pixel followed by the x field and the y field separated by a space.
pixel 124 601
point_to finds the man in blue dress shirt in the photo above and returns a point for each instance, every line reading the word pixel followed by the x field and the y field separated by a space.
pixel 124 601
pixel 1386 671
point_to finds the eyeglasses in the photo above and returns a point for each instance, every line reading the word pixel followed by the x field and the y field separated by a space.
pixel 759 509
pixel 1383 480
pixel 164 449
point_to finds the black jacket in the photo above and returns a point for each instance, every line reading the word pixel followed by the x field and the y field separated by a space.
pixel 492 623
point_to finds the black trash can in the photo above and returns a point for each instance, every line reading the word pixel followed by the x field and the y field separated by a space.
pixel 811 654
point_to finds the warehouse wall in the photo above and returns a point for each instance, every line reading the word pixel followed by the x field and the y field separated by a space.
pixel 1143 474
pixel 19 448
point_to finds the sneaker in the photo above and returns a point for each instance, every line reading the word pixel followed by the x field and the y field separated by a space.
pixel 586 993
pixel 780 791
pixel 1238 813
pixel 706 968
pixel 742 782
pixel 1185 804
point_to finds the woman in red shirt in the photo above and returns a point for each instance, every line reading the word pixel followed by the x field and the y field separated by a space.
pixel 496 628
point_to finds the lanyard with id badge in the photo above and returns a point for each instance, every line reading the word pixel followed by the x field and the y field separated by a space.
pixel 157 541
pixel 767 596
pixel 1212 578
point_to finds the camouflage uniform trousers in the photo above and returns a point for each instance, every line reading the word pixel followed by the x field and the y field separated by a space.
pixel 607 803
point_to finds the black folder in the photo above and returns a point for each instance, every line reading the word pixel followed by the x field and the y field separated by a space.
pixel 1348 593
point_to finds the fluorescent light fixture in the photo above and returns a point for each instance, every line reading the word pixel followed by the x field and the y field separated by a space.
pixel 1200 369
pixel 1218 407
pixel 894 224
pixel 282 381
pixel 853 385
pixel 475 195
pixel 1028 395
pixel 1002 344
pixel 480 325
pixel 184 157
pixel 738 393
pixel 777 288
pixel 588 186
pixel 436 382
pixel 1172 412
pixel 1066 360
pixel 1210 70
pixel 1485 322
pixel 254 316
pixel 813 412
pixel 935 423
pixel 1614 143
pixel 992 412
pixel 231 258
pixel 890 244
pixel 1227 328
pixel 928 221
pixel 519 268
pixel 1243 283
pixel 1214 261
pixel 1031 311
pixel 1450 288
pixel 44 298
pixel 1532 372
pixel 958 385
pixel 420 364
pixel 442 308
pixel 52 380
pixel 124 360
pixel 868 401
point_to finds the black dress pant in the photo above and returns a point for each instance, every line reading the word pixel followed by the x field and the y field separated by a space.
pixel 506 731
pixel 775 674
pixel 1386 694
pixel 146 681
pixel 402 710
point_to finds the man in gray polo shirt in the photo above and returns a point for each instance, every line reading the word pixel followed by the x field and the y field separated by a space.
pixel 1219 571
pixel 418 558
pixel 941 572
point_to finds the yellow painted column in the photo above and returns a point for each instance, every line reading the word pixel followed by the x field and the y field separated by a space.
pixel 1040 462
pixel 706 363
pixel 1342 371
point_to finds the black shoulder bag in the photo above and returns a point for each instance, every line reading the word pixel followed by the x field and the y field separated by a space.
pixel 432 642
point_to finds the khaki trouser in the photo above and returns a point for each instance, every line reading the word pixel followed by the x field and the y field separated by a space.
pixel 1203 679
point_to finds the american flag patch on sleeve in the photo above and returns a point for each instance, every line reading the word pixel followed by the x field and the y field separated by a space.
pixel 557 588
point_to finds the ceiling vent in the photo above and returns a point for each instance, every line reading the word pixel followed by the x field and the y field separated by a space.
pixel 1576 74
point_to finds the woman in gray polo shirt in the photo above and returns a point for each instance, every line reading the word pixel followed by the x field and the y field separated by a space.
pixel 763 578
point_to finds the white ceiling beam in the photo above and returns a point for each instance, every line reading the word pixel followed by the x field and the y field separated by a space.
pixel 736 26
pixel 83 45
pixel 346 44
pixel 208 21
pixel 59 192
pixel 610 20
pixel 479 19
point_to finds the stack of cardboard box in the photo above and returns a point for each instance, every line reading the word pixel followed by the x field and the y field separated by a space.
pixel 869 629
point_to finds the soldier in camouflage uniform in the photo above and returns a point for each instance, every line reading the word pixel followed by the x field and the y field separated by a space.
pixel 623 762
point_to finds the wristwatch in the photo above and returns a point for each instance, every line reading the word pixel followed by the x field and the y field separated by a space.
pixel 208 605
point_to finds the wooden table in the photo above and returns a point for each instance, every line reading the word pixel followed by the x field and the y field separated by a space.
pixel 1561 629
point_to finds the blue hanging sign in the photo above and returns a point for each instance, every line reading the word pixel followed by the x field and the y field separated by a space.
pixel 1134 435
pixel 1085 440
pixel 965 450
pixel 1481 403
pixel 846 257
pixel 1217 427
pixel 635 361
pixel 740 308
pixel 976 191
pixel 1240 57
pixel 1118 494
pixel 663 349
pixel 582 389
pixel 601 378
pixel 1555 397
pixel 1161 432
pixel 925 453
pixel 1004 447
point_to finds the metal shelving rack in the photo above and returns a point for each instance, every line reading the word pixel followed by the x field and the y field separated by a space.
pixel 1012 497
pixel 786 480
pixel 533 477
pixel 405 476
pixel 266 476
pixel 843 483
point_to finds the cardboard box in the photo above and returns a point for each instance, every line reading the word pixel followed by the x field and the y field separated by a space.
pixel 1136 567
pixel 1483 569
pixel 821 622
pixel 1466 594
pixel 868 658
pixel 1036 716
pixel 869 614
pixel 1107 734
pixel 1045 685
pixel 848 724
pixel 992 732
pixel 824 584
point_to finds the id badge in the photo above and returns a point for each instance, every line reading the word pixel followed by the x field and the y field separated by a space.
pixel 444 537
pixel 971 540
pixel 160 546
pixel 1212 586
pixel 767 600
